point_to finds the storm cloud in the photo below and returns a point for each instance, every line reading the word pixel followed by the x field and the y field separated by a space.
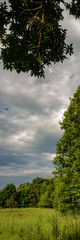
pixel 30 110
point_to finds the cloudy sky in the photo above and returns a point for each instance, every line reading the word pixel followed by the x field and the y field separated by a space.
pixel 30 109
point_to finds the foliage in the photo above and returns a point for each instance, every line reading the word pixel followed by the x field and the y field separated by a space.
pixel 8 196
pixel 31 35
pixel 29 194
pixel 74 8
pixel 34 193
pixel 46 194
pixel 67 160
pixel 3 18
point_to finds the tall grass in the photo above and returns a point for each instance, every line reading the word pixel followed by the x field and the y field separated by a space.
pixel 38 224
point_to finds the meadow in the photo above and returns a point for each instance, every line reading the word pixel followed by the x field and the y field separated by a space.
pixel 38 224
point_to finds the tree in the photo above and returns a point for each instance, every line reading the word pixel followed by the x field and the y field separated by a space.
pixel 31 35
pixel 8 196
pixel 67 160
pixel 74 8
pixel 47 193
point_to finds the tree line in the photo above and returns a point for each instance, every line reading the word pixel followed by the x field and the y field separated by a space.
pixel 39 193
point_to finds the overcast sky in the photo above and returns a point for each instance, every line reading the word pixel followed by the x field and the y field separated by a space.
pixel 30 109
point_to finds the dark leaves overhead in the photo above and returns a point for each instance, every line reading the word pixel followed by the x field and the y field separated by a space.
pixel 74 8
pixel 31 35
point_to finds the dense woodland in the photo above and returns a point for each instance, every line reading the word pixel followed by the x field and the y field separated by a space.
pixel 39 193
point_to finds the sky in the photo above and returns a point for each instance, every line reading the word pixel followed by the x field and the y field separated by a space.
pixel 30 110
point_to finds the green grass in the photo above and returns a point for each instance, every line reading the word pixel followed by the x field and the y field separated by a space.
pixel 38 224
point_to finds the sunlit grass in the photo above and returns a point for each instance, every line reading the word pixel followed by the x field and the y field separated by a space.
pixel 38 224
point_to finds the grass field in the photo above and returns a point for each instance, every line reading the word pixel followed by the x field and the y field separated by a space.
pixel 38 224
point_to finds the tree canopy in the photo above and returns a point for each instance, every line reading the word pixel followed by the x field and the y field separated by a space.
pixel 39 193
pixel 8 196
pixel 68 147
pixel 67 160
pixel 31 35
pixel 74 8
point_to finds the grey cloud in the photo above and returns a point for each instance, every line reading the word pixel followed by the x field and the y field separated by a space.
pixel 9 159
pixel 30 110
